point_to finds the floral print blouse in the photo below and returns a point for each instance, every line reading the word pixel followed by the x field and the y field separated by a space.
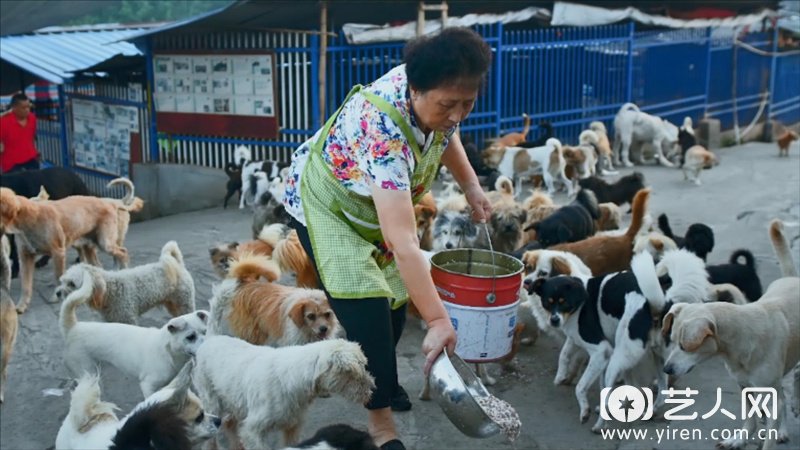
pixel 365 146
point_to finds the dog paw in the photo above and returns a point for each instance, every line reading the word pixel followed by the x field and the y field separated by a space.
pixel 596 429
pixel 21 309
pixel 489 381
pixel 627 164
pixel 585 415
pixel 730 444
pixel 561 380
pixel 783 436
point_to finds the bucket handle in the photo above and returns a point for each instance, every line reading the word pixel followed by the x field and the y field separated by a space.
pixel 492 296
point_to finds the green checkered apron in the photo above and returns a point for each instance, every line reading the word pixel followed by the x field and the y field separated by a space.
pixel 349 249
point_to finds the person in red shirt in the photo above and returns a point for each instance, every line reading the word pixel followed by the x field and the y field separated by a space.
pixel 17 135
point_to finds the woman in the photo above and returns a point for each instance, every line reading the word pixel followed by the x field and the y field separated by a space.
pixel 351 194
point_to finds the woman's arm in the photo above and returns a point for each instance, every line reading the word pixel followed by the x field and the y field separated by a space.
pixel 396 217
pixel 456 161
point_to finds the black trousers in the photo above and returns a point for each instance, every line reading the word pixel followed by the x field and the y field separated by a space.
pixel 33 164
pixel 371 323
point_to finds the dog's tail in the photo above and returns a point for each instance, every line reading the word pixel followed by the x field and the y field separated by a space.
pixel 639 209
pixel 749 259
pixel 291 257
pixel 248 267
pixel 526 127
pixel 242 155
pixel 504 185
pixel 274 233
pixel 663 224
pixel 68 318
pixel 781 245
pixel 172 260
pixel 221 296
pixel 85 408
pixel 644 269
pixel 588 200
pixel 629 107
pixel 555 144
pixel 128 200
pixel 687 125
pixel 589 137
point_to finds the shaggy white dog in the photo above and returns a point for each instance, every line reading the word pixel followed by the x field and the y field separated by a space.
pixel 265 389
pixel 122 296
pixel 632 125
pixel 151 355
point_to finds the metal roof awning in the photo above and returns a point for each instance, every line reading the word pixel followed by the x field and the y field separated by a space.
pixel 55 56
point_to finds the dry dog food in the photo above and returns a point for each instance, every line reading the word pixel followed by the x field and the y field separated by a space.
pixel 502 414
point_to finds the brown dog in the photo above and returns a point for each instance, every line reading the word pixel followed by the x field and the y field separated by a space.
pixel 50 227
pixel 266 313
pixel 606 254
pixel 425 212
pixel 289 254
pixel 222 254
pixel 785 141
pixel 9 322
pixel 514 139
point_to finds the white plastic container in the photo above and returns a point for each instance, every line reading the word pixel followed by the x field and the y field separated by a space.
pixel 484 334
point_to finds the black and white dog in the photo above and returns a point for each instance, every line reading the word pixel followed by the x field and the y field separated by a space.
pixel 570 223
pixel 699 238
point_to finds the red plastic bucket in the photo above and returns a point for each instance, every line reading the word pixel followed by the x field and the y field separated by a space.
pixel 484 323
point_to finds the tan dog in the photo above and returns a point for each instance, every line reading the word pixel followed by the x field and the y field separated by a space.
pixel 266 313
pixel 610 217
pixel 605 254
pixel 696 159
pixel 514 139
pixel 785 140
pixel 507 217
pixel 603 147
pixel 538 206
pixel 50 227
pixel 125 206
pixel 9 322
pixel 425 213
pixel 222 254
pixel 290 254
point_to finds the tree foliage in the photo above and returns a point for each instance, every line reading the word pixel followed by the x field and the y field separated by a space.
pixel 139 11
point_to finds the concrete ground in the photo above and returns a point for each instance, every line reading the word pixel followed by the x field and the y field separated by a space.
pixel 750 187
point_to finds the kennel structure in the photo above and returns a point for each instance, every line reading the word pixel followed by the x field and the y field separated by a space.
pixel 568 76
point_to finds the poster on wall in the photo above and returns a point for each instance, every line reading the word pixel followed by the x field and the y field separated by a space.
pixel 101 135
pixel 225 94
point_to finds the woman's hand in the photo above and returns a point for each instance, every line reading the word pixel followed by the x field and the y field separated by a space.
pixel 481 207
pixel 441 334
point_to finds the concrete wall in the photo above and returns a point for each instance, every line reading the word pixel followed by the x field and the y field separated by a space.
pixel 174 188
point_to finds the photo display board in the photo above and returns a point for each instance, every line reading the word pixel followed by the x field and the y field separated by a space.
pixel 101 136
pixel 216 94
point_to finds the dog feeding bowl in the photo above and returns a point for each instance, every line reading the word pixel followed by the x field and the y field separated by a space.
pixel 467 403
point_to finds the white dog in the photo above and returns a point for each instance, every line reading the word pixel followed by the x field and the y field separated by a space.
pixel 695 160
pixel 92 424
pixel 152 355
pixel 266 389
pixel 122 296
pixel 632 125
pixel 547 160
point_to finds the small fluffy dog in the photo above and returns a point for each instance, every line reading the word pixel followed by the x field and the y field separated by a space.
pixel 171 419
pixel 507 217
pixel 618 193
pixel 334 437
pixel 266 389
pixel 605 164
pixel 570 223
pixel 632 125
pixel 9 322
pixel 222 254
pixel 785 140
pixel 266 313
pixel 425 213
pixel 605 254
pixel 695 160
pixel 743 276
pixel 50 227
pixel 759 341
pixel 454 228
pixel 699 238
pixel 610 217
pixel 123 295
pixel 151 355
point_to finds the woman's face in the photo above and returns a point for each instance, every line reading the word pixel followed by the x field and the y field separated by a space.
pixel 444 107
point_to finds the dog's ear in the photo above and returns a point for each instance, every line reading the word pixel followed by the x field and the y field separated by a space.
pixel 706 328
pixel 98 300
pixel 564 233
pixel 202 315
pixel 298 313
pixel 666 326
pixel 657 244
pixel 181 383
pixel 176 325
pixel 560 266
pixel 428 212
pixel 538 286
pixel 530 258
pixel 233 245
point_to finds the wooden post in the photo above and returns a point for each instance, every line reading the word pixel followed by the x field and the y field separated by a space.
pixel 420 18
pixel 444 15
pixel 323 58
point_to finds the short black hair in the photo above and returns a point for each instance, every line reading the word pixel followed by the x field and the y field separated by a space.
pixel 454 54
pixel 18 98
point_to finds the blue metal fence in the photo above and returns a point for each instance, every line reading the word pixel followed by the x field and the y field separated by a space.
pixel 565 76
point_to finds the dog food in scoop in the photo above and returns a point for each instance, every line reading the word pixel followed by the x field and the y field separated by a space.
pixel 502 414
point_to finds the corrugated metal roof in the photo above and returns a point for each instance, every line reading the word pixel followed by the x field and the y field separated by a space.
pixel 54 56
